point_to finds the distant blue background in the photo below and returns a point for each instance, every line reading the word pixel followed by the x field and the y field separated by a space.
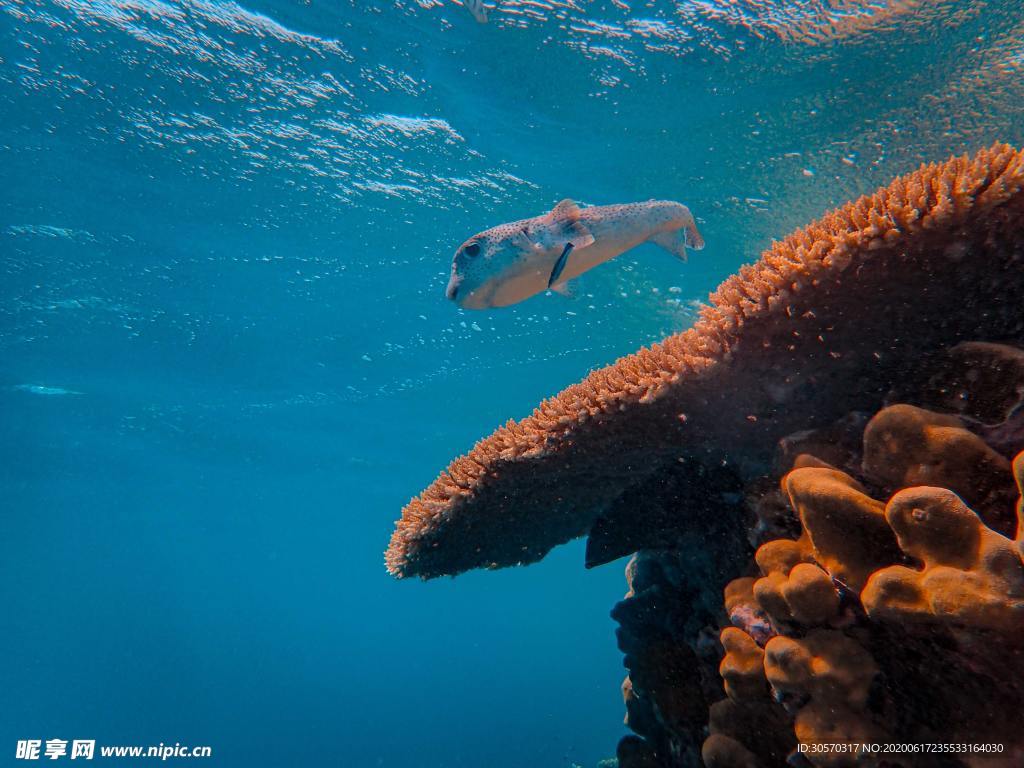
pixel 226 361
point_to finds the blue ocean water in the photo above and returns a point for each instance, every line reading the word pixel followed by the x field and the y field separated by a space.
pixel 226 360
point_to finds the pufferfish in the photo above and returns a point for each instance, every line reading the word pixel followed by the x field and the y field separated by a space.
pixel 512 262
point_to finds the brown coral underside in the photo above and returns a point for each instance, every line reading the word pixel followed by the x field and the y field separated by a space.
pixel 823 324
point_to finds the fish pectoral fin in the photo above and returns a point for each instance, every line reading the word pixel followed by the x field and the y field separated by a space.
pixel 559 267
pixel 563 289
pixel 676 241
pixel 578 235
pixel 568 226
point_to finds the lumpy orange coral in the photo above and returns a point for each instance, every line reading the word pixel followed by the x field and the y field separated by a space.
pixel 846 528
pixel 796 340
pixel 906 446
pixel 971 576
pixel 937 606
pixel 826 678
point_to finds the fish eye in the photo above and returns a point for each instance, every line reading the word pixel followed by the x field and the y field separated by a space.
pixel 473 249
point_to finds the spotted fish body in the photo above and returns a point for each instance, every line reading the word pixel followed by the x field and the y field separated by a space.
pixel 512 262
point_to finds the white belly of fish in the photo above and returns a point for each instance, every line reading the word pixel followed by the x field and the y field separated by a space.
pixel 532 275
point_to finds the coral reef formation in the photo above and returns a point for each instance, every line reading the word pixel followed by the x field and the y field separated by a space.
pixel 821 482
pixel 928 651
pixel 889 614
pixel 798 340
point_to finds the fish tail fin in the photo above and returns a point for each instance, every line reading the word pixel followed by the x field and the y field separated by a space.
pixel 677 241
pixel 478 9
pixel 694 239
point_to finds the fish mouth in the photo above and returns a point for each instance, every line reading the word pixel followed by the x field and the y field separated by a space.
pixel 468 297
pixel 452 291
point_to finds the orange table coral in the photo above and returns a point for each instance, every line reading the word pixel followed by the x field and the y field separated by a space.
pixel 797 340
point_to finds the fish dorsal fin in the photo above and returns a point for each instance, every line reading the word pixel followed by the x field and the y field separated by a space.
pixel 567 210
